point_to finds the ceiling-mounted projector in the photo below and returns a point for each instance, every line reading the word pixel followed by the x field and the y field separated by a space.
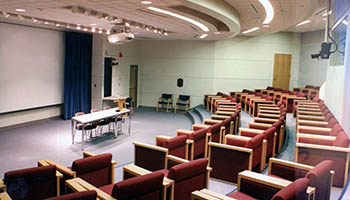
pixel 120 35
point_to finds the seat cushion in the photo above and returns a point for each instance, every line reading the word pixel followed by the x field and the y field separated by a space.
pixel 107 188
pixel 295 190
pixel 241 196
pixel 187 170
pixel 255 142
pixel 342 140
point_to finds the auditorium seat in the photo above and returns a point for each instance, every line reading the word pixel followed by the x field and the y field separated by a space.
pixel 97 170
pixel 200 139
pixel 215 129
pixel 85 195
pixel 166 100
pixel 186 177
pixel 32 183
pixel 177 146
pixel 269 142
pixel 254 186
pixel 246 150
pixel 312 149
pixel 320 176
pixel 145 187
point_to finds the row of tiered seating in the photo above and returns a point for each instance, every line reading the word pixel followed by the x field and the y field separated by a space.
pixel 259 186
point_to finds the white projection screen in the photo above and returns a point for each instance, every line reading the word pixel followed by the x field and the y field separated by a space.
pixel 31 67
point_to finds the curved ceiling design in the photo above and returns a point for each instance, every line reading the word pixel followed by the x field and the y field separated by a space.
pixel 224 18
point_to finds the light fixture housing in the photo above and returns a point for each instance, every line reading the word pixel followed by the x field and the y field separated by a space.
pixel 146 2
pixel 303 22
pixel 251 30
pixel 187 19
pixel 269 11
pixel 20 10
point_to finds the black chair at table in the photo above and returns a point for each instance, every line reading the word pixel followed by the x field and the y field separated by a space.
pixel 182 101
pixel 165 100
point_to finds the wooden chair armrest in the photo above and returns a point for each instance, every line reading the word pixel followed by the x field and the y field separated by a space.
pixel 88 186
pixel 135 170
pixel 200 126
pixel 220 116
pixel 44 163
pixel 312 128
pixel 62 169
pixel 211 121
pixel 310 117
pixel 323 147
pixel 188 141
pixel 265 119
pixel 165 137
pixel 210 195
pixel 321 123
pixel 318 137
pixel 4 196
pixel 268 115
pixel 230 147
pixel 224 113
pixel 153 147
pixel 184 131
pixel 176 159
pixel 301 112
pixel 2 185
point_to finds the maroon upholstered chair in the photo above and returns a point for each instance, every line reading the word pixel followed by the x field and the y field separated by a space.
pixel 98 170
pixel 177 146
pixel 320 176
pixel 253 186
pixel 269 143
pixel 216 130
pixel 320 130
pixel 200 139
pixel 189 177
pixel 246 150
pixel 312 149
pixel 32 183
pixel 86 195
pixel 145 187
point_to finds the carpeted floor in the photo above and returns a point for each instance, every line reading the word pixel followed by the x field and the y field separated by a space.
pixel 21 147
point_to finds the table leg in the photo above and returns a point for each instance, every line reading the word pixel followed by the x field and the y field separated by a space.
pixel 72 131
pixel 82 137
pixel 129 122
pixel 115 127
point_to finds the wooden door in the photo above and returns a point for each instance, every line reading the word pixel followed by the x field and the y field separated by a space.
pixel 133 83
pixel 281 72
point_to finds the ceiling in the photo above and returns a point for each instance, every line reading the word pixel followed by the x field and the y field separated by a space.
pixel 224 18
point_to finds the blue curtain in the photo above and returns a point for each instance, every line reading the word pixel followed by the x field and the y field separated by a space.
pixel 77 73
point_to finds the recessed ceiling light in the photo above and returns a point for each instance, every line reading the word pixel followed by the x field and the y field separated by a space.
pixel 20 10
pixel 303 22
pixel 165 33
pixel 108 32
pixel 147 29
pixel 266 26
pixel 34 19
pixel 269 11
pixel 46 22
pixel 146 2
pixel 192 21
pixel 204 35
pixel 93 29
pixel 85 29
pixel 78 27
pixel 93 24
pixel 57 24
pixel 155 31
pixel 251 30
pixel 100 31
pixel 127 24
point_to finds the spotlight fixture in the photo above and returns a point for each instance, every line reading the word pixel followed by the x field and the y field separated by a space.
pixel 146 2
pixel 251 30
pixel 303 22
pixel 108 32
pixel 100 31
pixel 192 21
pixel 57 24
pixel 204 35
pixel 147 28
pixel 46 22
pixel 34 19
pixel 269 11
pixel 20 17
pixel 20 10
pixel 155 31
pixel 78 27
pixel 165 33
pixel 93 29
pixel 127 24
pixel 85 29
